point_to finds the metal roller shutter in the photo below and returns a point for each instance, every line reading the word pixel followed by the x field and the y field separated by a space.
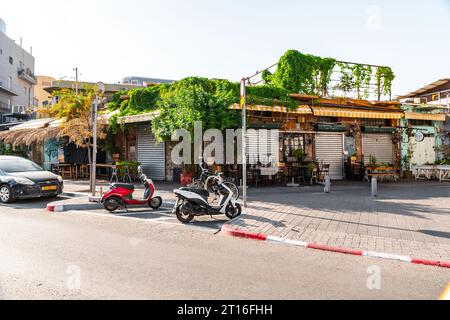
pixel 150 154
pixel 330 150
pixel 379 146
pixel 262 143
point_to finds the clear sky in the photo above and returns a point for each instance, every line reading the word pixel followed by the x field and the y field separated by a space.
pixel 172 39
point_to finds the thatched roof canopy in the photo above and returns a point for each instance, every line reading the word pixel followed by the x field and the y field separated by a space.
pixel 29 136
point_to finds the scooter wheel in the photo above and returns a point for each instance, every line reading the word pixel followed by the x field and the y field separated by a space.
pixel 182 217
pixel 232 213
pixel 155 203
pixel 112 204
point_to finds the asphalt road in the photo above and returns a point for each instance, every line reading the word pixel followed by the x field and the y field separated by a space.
pixel 91 255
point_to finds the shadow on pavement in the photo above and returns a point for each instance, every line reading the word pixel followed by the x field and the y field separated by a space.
pixel 40 203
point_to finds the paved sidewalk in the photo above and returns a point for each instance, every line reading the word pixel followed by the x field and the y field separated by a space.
pixel 411 219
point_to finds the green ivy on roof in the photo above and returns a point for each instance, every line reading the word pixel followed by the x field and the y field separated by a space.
pixel 195 99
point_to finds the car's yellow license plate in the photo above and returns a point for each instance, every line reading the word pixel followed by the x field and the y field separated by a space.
pixel 49 188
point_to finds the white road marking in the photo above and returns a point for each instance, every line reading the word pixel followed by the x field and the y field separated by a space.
pixel 162 220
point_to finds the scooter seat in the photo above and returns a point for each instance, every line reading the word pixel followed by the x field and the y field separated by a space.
pixel 201 192
pixel 124 186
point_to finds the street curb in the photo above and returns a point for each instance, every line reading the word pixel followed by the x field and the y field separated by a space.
pixel 74 194
pixel 63 207
pixel 232 232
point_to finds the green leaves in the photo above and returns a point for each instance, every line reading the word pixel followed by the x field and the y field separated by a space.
pixel 196 99
pixel 303 73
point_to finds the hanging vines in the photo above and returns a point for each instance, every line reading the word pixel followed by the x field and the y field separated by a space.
pixel 309 74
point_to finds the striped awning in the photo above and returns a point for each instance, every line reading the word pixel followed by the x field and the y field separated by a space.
pixel 300 109
pixel 424 116
pixel 353 113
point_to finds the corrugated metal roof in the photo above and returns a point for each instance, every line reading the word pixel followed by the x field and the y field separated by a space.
pixel 33 124
pixel 424 89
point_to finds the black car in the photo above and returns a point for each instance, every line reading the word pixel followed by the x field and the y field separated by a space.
pixel 23 179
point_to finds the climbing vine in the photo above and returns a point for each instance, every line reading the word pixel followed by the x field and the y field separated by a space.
pixel 195 99
pixel 309 74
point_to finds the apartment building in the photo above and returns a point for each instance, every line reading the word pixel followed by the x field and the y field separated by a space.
pixel 16 79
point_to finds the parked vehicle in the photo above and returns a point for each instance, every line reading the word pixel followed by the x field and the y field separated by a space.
pixel 21 178
pixel 121 195
pixel 208 182
pixel 194 203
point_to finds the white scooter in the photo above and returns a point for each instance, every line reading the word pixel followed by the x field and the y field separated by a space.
pixel 194 203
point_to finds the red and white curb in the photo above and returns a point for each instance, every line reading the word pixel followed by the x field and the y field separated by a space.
pixel 230 231
pixel 55 208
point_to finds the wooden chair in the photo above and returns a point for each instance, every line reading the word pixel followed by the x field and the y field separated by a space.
pixel 84 171
pixel 66 172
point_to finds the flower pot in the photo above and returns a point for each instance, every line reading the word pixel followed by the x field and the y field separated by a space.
pixel 186 179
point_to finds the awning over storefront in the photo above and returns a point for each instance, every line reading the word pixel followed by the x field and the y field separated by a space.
pixel 299 110
pixel 424 116
pixel 353 113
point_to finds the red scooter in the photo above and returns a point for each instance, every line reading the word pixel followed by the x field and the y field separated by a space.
pixel 121 195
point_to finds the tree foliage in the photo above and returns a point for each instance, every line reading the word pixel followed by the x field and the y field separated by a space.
pixel 75 112
pixel 196 99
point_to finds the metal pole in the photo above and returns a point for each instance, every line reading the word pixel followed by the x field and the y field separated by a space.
pixel 76 80
pixel 374 187
pixel 94 148
pixel 244 140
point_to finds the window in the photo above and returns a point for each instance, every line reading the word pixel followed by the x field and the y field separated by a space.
pixel 10 83
pixel 292 142
pixel 11 60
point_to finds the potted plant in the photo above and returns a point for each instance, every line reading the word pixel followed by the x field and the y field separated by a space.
pixel 187 175
pixel 373 162
pixel 300 155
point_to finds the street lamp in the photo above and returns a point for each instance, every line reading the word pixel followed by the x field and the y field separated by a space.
pixel 244 139
pixel 101 89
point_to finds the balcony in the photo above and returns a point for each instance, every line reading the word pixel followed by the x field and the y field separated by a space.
pixel 6 90
pixel 27 76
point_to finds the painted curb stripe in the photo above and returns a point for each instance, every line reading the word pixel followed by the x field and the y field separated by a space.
pixel 426 262
pixel 275 239
pixel 249 235
pixel 338 250
pixel 387 256
pixel 243 234
pixel 296 243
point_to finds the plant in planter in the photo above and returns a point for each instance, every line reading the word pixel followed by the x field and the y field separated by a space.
pixel 187 174
pixel 373 162
pixel 300 155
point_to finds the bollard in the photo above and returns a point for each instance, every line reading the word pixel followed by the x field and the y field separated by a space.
pixel 374 187
pixel 327 184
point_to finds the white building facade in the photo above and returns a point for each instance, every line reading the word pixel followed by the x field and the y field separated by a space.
pixel 17 79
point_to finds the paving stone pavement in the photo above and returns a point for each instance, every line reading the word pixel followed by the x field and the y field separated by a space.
pixel 411 219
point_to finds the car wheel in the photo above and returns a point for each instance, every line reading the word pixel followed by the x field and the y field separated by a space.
pixel 6 194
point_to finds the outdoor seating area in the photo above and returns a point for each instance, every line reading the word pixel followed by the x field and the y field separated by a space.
pixel 283 174
pixel 119 172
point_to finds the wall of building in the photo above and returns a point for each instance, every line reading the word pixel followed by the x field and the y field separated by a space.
pixel 12 59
